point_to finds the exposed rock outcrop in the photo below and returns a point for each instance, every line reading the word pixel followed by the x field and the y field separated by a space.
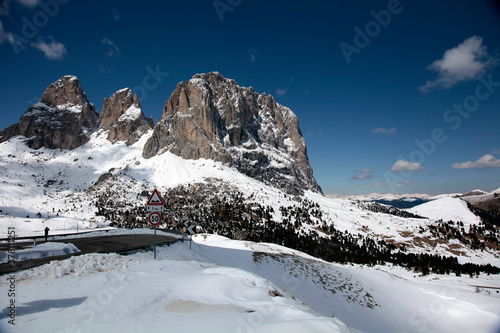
pixel 64 118
pixel 123 118
pixel 211 117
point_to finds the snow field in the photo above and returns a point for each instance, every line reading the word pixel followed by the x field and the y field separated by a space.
pixel 219 285
pixel 448 208
pixel 112 293
pixel 380 299
pixel 223 285
pixel 59 182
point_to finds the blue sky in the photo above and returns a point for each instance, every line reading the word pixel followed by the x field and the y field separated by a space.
pixel 391 96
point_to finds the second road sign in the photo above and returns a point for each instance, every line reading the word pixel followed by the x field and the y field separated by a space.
pixel 154 218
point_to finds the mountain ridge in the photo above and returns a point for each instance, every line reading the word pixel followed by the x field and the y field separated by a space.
pixel 213 117
pixel 63 119
pixel 207 117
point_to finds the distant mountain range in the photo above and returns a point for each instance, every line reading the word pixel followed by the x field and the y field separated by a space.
pixel 407 200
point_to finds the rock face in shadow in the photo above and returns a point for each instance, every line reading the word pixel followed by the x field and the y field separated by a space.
pixel 63 119
pixel 123 118
pixel 211 117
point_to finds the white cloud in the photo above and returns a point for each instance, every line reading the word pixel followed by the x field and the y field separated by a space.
pixel 365 170
pixel 28 3
pixel 402 165
pixel 52 50
pixel 390 131
pixel 113 50
pixel 4 7
pixel 485 162
pixel 378 184
pixel 403 184
pixel 33 101
pixel 5 36
pixel 104 69
pixel 115 15
pixel 11 38
pixel 467 61
pixel 253 54
pixel 280 92
pixel 361 177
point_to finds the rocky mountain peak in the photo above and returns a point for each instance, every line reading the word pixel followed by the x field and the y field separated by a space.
pixel 65 91
pixel 64 118
pixel 212 117
pixel 123 118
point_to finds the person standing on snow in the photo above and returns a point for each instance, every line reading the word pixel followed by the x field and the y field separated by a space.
pixel 46 233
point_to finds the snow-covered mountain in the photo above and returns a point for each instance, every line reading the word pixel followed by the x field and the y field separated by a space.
pixel 397 200
pixel 224 183
pixel 63 119
pixel 122 117
pixel 212 117
pixel 208 117
pixel 123 158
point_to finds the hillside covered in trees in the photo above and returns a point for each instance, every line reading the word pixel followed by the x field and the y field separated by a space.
pixel 302 226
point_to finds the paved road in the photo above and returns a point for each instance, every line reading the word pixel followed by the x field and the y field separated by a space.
pixel 100 244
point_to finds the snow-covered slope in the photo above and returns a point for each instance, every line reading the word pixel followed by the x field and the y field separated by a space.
pixel 60 185
pixel 195 290
pixel 53 182
pixel 181 292
pixel 385 197
pixel 447 208
pixel 221 285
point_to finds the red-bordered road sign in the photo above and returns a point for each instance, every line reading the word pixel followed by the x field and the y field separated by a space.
pixel 154 218
pixel 155 199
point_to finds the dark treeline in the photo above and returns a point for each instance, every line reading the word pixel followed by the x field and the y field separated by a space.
pixel 302 227
pixel 386 209
pixel 489 216
pixel 476 237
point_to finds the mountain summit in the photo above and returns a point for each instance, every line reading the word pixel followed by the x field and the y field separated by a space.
pixel 208 117
pixel 64 118
pixel 212 117
pixel 123 118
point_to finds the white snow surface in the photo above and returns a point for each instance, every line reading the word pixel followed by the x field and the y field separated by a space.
pixel 131 114
pixel 447 208
pixel 58 185
pixel 379 196
pixel 221 285
pixel 48 249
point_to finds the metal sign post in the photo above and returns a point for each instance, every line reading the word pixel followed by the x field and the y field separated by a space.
pixel 190 225
pixel 155 219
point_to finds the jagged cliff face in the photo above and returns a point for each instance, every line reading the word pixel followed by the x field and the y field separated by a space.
pixel 208 117
pixel 212 117
pixel 123 118
pixel 64 118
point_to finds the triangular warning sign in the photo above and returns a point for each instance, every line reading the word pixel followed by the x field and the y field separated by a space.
pixel 155 199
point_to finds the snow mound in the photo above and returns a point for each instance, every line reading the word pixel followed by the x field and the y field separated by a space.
pixel 179 290
pixel 76 266
pixel 41 251
pixel 448 208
